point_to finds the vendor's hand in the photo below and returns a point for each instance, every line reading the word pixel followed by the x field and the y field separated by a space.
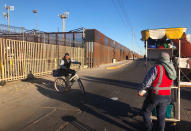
pixel 141 92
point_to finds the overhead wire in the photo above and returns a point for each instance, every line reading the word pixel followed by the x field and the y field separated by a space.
pixel 120 7
pixel 126 17
pixel 120 13
pixel 118 10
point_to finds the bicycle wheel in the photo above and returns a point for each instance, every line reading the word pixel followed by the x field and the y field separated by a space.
pixel 81 86
pixel 60 85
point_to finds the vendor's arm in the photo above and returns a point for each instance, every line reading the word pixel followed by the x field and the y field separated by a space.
pixel 150 77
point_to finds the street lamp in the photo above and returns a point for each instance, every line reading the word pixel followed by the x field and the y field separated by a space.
pixel 6 15
pixel 35 12
pixel 64 16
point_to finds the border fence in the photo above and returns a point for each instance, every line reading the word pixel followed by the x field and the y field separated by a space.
pixel 20 58
pixel 30 51
pixel 102 50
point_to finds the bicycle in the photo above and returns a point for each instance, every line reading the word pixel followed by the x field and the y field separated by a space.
pixel 64 82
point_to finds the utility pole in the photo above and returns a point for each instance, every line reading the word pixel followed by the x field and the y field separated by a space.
pixel 6 15
pixel 133 44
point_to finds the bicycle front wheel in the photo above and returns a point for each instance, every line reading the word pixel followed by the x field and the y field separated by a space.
pixel 60 85
pixel 81 86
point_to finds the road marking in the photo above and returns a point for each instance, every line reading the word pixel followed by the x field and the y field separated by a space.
pixel 63 109
pixel 115 67
pixel 39 119
pixel 62 126
pixel 114 98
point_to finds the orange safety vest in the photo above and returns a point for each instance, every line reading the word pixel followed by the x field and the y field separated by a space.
pixel 162 84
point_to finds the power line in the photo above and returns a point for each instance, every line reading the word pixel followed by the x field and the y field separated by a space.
pixel 122 13
pixel 118 10
pixel 138 44
pixel 121 5
pixel 124 17
pixel 128 23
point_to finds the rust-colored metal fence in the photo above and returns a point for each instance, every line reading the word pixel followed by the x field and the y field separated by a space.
pixel 102 50
pixel 98 54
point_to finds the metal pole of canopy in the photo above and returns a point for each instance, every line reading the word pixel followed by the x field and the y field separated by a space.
pixel 179 56
pixel 146 54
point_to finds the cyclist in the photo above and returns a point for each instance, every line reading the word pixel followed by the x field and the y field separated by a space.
pixel 65 66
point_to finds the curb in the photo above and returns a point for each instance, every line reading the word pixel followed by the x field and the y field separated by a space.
pixel 116 67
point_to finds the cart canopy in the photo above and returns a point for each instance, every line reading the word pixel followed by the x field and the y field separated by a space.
pixel 170 33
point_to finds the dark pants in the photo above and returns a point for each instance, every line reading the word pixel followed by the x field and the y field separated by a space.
pixel 67 72
pixel 160 102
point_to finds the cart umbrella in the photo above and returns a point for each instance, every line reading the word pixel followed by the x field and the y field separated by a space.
pixel 170 33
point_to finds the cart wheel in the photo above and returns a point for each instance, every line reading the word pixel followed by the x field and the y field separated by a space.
pixel 177 126
pixel 174 124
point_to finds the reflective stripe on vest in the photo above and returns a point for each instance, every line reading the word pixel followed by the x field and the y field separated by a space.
pixel 157 88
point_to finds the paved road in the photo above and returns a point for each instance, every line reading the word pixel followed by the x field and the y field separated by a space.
pixel 34 105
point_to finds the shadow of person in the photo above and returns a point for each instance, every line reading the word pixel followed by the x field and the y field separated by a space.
pixel 97 105
pixel 120 83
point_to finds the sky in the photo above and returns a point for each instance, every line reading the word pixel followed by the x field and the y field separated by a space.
pixel 117 19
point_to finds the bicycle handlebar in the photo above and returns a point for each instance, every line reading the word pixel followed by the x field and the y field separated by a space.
pixel 76 63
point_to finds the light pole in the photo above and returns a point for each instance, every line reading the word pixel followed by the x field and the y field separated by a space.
pixel 35 12
pixel 133 44
pixel 64 16
pixel 6 15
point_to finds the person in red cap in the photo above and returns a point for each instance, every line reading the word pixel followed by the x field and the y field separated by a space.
pixel 157 82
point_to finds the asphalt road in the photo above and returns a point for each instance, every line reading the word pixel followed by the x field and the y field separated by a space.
pixel 111 103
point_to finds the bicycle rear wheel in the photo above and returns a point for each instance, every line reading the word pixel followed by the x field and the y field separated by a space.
pixel 60 85
pixel 81 86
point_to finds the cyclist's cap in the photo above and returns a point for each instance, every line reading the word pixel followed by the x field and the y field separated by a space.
pixel 67 54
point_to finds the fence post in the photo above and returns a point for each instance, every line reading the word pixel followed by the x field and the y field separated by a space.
pixel 48 39
pixel 84 45
pixel 57 50
pixel 23 32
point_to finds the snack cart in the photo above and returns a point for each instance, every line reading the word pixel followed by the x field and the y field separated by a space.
pixel 152 39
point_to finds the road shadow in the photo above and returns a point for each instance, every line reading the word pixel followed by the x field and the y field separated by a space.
pixel 183 126
pixel 77 124
pixel 116 113
pixel 186 93
pixel 178 126
pixel 113 112
pixel 119 83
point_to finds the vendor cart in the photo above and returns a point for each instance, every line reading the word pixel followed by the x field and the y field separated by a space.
pixel 153 51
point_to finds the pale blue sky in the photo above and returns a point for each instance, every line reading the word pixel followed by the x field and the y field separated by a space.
pixel 115 18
